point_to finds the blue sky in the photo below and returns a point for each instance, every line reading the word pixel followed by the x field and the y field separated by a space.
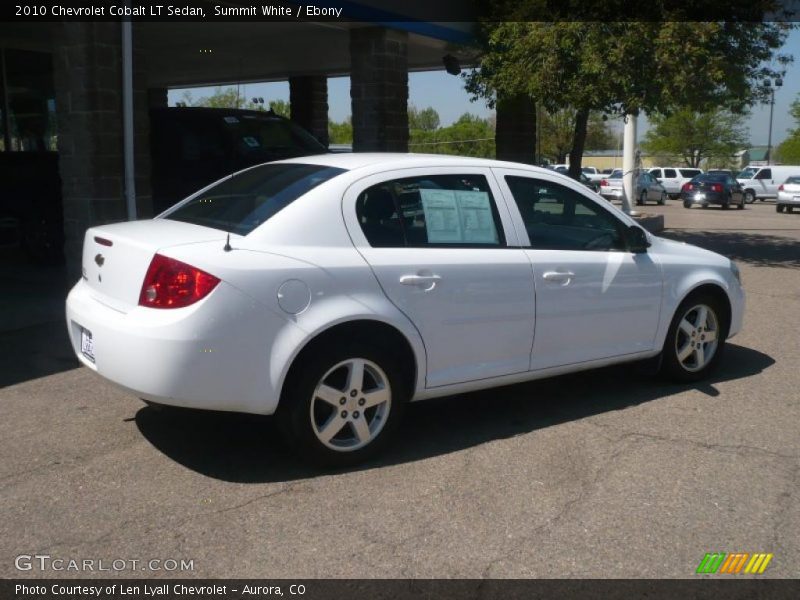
pixel 446 94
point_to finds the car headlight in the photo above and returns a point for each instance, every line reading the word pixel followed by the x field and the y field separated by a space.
pixel 736 272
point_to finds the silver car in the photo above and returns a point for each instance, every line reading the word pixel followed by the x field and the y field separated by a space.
pixel 788 194
pixel 647 188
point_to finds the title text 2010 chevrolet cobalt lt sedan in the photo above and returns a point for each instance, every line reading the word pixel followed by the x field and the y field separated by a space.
pixel 332 290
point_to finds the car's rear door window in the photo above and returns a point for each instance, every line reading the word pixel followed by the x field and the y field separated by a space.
pixel 243 201
pixel 559 218
pixel 431 210
pixel 668 173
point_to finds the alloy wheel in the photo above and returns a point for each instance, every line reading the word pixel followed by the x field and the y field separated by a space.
pixel 350 405
pixel 697 337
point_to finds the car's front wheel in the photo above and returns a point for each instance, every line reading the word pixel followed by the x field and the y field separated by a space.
pixel 749 196
pixel 343 403
pixel 695 338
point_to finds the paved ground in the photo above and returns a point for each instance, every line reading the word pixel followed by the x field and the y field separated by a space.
pixel 605 474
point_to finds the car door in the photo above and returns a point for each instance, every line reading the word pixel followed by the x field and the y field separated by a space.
pixel 735 189
pixel 765 185
pixel 672 181
pixel 445 253
pixel 594 298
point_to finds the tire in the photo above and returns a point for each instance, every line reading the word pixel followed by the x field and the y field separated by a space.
pixel 327 419
pixel 726 204
pixel 740 206
pixel 779 208
pixel 749 196
pixel 687 204
pixel 789 209
pixel 663 200
pixel 685 355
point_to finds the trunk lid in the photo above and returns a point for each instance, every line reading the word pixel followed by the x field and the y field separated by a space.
pixel 116 257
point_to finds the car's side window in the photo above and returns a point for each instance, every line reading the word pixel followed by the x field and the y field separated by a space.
pixel 670 173
pixel 764 174
pixel 656 173
pixel 559 218
pixel 432 210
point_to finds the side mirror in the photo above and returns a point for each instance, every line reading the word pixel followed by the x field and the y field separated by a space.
pixel 637 239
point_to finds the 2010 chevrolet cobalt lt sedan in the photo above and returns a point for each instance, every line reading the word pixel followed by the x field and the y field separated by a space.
pixel 332 290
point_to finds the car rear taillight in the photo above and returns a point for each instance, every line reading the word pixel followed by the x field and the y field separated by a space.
pixel 716 187
pixel 604 182
pixel 687 187
pixel 170 283
pixel 780 188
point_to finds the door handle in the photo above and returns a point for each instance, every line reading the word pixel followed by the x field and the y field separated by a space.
pixel 428 282
pixel 562 276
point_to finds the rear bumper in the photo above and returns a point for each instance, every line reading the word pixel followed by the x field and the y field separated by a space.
pixel 211 355
pixel 709 198
pixel 788 199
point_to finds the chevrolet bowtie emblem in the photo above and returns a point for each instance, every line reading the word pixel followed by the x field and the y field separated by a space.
pixel 99 260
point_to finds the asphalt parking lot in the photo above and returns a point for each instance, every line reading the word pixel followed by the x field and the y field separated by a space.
pixel 608 473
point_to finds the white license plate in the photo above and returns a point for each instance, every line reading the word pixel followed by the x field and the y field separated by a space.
pixel 699 196
pixel 87 344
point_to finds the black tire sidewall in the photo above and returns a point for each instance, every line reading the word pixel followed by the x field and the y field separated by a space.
pixel 670 365
pixel 294 409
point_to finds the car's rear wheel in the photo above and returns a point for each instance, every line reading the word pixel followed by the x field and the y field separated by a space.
pixel 344 403
pixel 687 204
pixel 749 196
pixel 695 338
pixel 779 207
pixel 726 204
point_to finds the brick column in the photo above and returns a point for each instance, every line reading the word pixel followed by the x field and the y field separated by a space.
pixel 515 131
pixel 379 89
pixel 88 81
pixel 308 98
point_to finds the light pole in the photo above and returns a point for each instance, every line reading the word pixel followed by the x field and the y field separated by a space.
pixel 768 83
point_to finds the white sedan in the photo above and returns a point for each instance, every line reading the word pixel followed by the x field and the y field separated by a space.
pixel 331 290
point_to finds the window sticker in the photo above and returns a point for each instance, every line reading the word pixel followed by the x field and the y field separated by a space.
pixel 477 222
pixel 458 217
pixel 441 216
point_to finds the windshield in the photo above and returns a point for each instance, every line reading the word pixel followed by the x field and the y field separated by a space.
pixel 747 173
pixel 243 201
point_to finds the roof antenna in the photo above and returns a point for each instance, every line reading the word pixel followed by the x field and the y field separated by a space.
pixel 227 246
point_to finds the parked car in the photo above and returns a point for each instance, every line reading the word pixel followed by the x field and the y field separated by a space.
pixel 788 194
pixel 706 189
pixel 649 188
pixel 192 147
pixel 673 178
pixel 762 182
pixel 331 290
pixel 646 188
pixel 592 173
pixel 720 172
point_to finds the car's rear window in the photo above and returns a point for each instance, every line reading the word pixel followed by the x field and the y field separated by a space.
pixel 240 203
pixel 710 177
pixel 793 179
pixel 690 172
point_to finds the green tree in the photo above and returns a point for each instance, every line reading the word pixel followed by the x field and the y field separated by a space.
pixel 789 150
pixel 696 136
pixel 280 107
pixel 625 67
pixel 426 119
pixel 470 135
pixel 231 97
pixel 340 133
pixel 557 133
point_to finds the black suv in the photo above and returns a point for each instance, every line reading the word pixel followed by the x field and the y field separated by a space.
pixel 192 147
